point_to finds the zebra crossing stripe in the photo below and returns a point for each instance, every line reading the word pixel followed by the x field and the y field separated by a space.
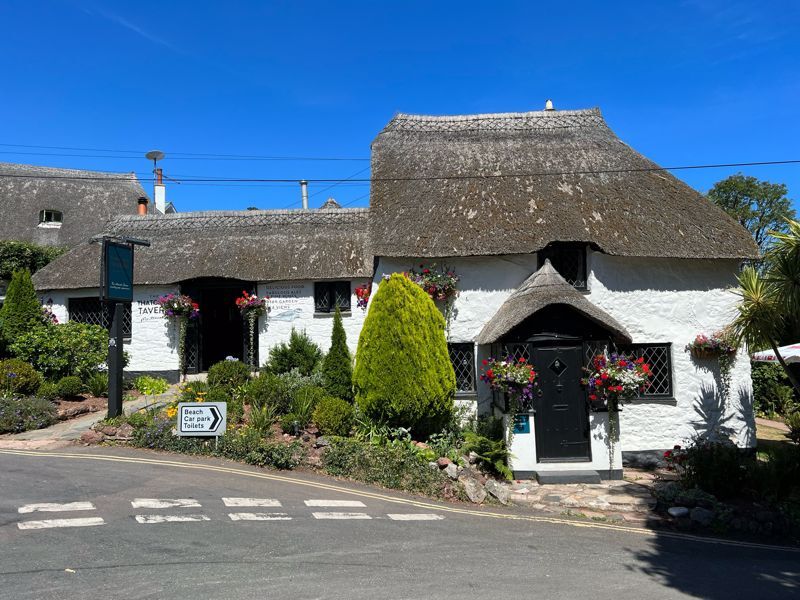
pixel 259 502
pixel 248 516
pixel 54 507
pixel 414 517
pixel 50 523
pixel 340 515
pixel 152 519
pixel 165 503
pixel 335 503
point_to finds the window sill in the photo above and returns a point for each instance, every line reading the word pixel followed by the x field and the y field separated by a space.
pixel 329 315
pixel 668 400
pixel 50 225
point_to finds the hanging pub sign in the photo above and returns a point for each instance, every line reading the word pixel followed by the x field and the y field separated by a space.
pixel 117 272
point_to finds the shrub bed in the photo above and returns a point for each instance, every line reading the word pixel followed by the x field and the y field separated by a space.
pixel 25 414
pixel 18 377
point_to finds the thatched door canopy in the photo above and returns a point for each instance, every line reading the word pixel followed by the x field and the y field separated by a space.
pixel 546 288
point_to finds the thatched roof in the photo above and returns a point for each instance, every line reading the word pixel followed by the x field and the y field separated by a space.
pixel 87 200
pixel 254 245
pixel 545 288
pixel 491 184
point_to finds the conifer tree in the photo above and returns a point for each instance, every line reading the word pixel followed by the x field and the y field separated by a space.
pixel 403 376
pixel 337 367
pixel 21 307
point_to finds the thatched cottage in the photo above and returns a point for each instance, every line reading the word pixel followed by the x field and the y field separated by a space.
pixel 565 240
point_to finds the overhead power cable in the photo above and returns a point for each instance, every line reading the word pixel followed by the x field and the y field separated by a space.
pixel 428 178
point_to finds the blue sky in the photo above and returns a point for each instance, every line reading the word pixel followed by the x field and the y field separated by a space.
pixel 693 82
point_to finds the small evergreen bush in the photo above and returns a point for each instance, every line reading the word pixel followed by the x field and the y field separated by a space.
pixel 715 465
pixel 403 376
pixel 18 377
pixel 70 348
pixel 300 353
pixel 97 384
pixel 228 374
pixel 48 390
pixel 334 416
pixel 25 414
pixel 21 309
pixel 337 366
pixel 268 389
pixel 70 386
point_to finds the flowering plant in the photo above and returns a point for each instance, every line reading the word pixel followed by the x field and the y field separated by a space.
pixel 48 316
pixel 363 293
pixel 438 283
pixel 719 343
pixel 615 378
pixel 178 306
pixel 675 458
pixel 252 305
pixel 514 377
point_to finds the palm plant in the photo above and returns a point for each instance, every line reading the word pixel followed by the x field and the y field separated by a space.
pixel 771 298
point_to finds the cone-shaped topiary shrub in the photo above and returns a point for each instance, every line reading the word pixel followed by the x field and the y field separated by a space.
pixel 300 353
pixel 403 376
pixel 21 307
pixel 337 366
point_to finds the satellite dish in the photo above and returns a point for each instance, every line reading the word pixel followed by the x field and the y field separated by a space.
pixel 154 155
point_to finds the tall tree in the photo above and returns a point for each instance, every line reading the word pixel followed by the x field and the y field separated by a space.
pixel 337 366
pixel 20 309
pixel 760 207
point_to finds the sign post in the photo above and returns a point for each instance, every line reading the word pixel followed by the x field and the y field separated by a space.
pixel 202 419
pixel 116 290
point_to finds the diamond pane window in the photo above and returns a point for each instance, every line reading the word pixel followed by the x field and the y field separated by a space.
pixel 658 356
pixel 569 260
pixel 94 312
pixel 330 294
pixel 462 356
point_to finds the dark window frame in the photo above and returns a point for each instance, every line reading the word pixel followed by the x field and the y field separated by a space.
pixel 558 253
pixel 89 309
pixel 664 362
pixel 330 294
pixel 466 378
pixel 57 217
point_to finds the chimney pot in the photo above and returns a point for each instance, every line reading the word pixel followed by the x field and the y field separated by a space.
pixel 548 105
pixel 141 208
pixel 304 193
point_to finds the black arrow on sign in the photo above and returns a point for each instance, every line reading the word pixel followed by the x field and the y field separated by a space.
pixel 217 418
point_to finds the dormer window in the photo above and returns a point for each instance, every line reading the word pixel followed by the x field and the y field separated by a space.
pixel 569 259
pixel 50 218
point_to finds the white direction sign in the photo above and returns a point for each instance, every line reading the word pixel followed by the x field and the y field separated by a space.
pixel 202 418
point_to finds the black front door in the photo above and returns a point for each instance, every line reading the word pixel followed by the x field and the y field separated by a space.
pixel 561 421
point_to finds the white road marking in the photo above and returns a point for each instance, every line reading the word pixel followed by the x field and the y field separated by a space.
pixel 164 503
pixel 54 507
pixel 48 523
pixel 263 502
pixel 150 519
pixel 335 503
pixel 340 515
pixel 414 517
pixel 247 516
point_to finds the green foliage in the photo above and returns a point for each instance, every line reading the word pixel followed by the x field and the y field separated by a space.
pixel 97 384
pixel 228 374
pixel 291 423
pixel 403 375
pixel 70 386
pixel 772 393
pixel 262 418
pixel 18 377
pixel 269 390
pixel 300 353
pixel 66 349
pixel 337 366
pixel 304 401
pixel 396 466
pixel 140 418
pixel 793 423
pixel 760 207
pixel 151 386
pixel 715 465
pixel 193 391
pixel 493 454
pixel 447 443
pixel 333 416
pixel 21 309
pixel 48 390
pixel 24 414
pixel 24 256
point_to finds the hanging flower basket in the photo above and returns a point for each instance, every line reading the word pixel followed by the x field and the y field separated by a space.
pixel 514 378
pixel 440 283
pixel 363 293
pixel 252 307
pixel 179 308
pixel 707 347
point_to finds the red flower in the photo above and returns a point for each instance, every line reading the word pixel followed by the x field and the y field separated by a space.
pixel 592 397
pixel 485 362
pixel 490 373
pixel 603 376
pixel 522 360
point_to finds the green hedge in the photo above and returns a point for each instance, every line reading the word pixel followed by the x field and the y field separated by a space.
pixel 65 349
pixel 18 377
pixel 19 256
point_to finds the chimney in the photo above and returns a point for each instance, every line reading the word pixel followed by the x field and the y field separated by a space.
pixel 160 192
pixel 548 105
pixel 141 208
pixel 304 193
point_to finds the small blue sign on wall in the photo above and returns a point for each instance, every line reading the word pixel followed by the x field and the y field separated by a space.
pixel 522 424
pixel 117 271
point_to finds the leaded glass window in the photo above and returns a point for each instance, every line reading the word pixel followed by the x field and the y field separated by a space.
pixel 569 260
pixel 330 294
pixel 94 312
pixel 462 356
